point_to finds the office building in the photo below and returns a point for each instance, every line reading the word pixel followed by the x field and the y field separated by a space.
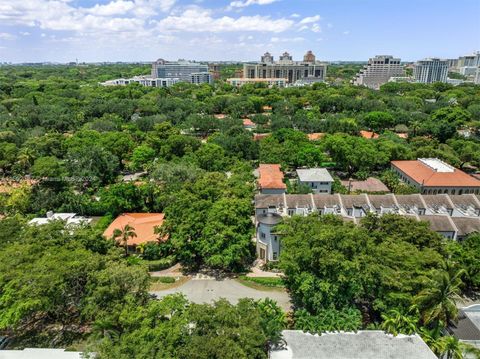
pixel 181 69
pixel 378 71
pixel 431 70
pixel 201 78
pixel 477 76
pixel 287 68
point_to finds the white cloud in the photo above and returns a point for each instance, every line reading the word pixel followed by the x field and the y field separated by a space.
pixel 6 36
pixel 346 32
pixel 309 20
pixel 295 15
pixel 24 33
pixel 119 7
pixel 245 3
pixel 198 19
pixel 276 40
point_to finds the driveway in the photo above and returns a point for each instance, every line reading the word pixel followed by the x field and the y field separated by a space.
pixel 206 290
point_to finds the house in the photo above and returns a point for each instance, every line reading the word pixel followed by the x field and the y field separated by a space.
pixel 268 242
pixel 369 135
pixel 315 136
pixel 467 329
pixel 364 344
pixel 71 219
pixel 143 224
pixel 433 176
pixel 370 185
pixel 318 180
pixel 270 179
pixel 260 136
pixel 248 124
pixel 43 353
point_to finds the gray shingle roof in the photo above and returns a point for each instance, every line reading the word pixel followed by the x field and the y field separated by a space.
pixel 466 225
pixel 368 344
pixel 438 223
pixel 314 175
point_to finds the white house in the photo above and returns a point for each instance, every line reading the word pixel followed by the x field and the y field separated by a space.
pixel 318 180
pixel 69 218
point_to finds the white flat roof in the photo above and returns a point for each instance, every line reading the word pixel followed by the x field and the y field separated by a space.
pixel 437 165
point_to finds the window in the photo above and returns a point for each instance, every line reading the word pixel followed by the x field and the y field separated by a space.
pixel 291 212
pixel 262 235
pixel 275 255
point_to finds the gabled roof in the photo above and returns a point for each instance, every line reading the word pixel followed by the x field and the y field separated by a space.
pixel 299 201
pixel 427 176
pixel 439 223
pixel 271 177
pixel 143 223
pixel 466 225
pixel 314 175
pixel 382 200
pixel 269 200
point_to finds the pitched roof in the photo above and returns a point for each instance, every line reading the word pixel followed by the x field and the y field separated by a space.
pixel 260 136
pixel 468 326
pixel 314 175
pixel 315 136
pixel 466 225
pixel 267 200
pixel 421 173
pixel 368 134
pixel 364 344
pixel 371 184
pixel 271 177
pixel 143 223
pixel 382 200
pixel 439 223
pixel 248 122
pixel 299 200
pixel 410 200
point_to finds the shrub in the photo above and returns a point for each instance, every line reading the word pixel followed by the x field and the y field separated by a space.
pixel 265 281
pixel 160 264
pixel 166 280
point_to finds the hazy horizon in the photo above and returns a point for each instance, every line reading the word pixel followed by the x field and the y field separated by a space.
pixel 234 30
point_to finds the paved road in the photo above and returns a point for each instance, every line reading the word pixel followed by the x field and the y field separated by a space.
pixel 208 290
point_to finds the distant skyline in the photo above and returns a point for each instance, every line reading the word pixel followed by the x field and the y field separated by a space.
pixel 223 30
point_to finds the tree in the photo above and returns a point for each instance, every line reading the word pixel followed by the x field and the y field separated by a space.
pixel 395 322
pixel 142 157
pixel 437 301
pixel 377 121
pixel 123 235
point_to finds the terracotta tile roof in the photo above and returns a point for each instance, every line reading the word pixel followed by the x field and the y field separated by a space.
pixel 260 136
pixel 143 223
pixel 271 177
pixel 220 116
pixel 421 173
pixel 368 134
pixel 248 122
pixel 315 136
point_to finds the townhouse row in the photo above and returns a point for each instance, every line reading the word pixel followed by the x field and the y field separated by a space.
pixel 453 216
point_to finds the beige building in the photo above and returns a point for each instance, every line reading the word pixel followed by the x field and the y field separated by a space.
pixel 286 68
pixel 378 71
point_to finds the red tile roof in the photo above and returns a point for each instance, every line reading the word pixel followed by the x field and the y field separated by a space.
pixel 271 177
pixel 260 136
pixel 425 175
pixel 368 134
pixel 248 122
pixel 315 136
pixel 143 223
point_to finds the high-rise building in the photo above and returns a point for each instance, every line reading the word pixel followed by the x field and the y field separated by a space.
pixel 472 60
pixel 378 71
pixel 477 76
pixel 286 68
pixel 182 70
pixel 431 70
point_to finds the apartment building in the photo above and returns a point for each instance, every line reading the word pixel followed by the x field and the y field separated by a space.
pixel 453 216
pixel 287 68
pixel 431 70
pixel 142 80
pixel 378 71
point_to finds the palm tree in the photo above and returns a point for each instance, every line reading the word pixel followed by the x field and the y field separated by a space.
pixel 437 301
pixel 450 348
pixel 396 322
pixel 123 235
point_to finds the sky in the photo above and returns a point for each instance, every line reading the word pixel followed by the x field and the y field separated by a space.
pixel 223 30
